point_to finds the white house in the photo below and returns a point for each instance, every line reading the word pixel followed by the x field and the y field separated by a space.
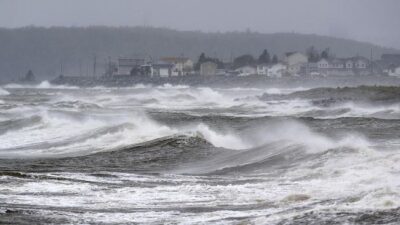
pixel 277 70
pixel 126 65
pixel 262 69
pixel 336 63
pixel 310 68
pixel 360 62
pixel 208 68
pixel 295 68
pixel 246 71
pixel 395 72
pixel 162 70
pixel 182 66
pixel 323 64
pixel 292 58
pixel 344 66
pixel 294 62
pixel 349 64
pixel 387 64
pixel 335 66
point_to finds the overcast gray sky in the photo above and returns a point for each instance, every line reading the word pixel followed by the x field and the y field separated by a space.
pixel 376 21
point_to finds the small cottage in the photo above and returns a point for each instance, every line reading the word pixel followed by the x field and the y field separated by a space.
pixel 208 68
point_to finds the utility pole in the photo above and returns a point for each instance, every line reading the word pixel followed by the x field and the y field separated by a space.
pixel 109 69
pixel 87 69
pixel 94 65
pixel 80 67
pixel 371 63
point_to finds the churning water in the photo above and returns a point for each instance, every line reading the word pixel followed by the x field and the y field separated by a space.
pixel 186 155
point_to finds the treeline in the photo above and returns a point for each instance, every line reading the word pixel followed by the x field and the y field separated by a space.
pixel 47 51
pixel 240 61
pixel 313 54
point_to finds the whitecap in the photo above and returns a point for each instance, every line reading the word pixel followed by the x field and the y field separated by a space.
pixel 4 92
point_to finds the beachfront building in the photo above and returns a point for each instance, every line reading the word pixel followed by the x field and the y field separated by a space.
pixel 262 69
pixel 208 68
pixel 294 61
pixel 181 65
pixel 395 71
pixel 162 70
pixel 277 71
pixel 344 66
pixel 246 71
pixel 128 66
pixel 337 67
pixel 311 69
pixel 388 64
pixel 391 58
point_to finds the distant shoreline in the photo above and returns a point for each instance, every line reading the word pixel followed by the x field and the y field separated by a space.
pixel 229 82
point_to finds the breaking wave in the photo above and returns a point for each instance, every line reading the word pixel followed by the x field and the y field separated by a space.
pixel 66 134
pixel 371 94
pixel 363 101
pixel 43 85
pixel 197 154
pixel 3 92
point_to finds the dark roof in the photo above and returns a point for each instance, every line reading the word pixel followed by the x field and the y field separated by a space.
pixel 130 61
pixel 209 62
pixel 337 60
pixel 390 57
pixel 385 64
pixel 344 60
pixel 356 58
pixel 162 65
pixel 175 59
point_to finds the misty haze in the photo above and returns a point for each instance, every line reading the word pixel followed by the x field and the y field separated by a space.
pixel 199 112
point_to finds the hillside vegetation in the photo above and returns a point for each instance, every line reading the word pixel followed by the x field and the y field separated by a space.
pixel 44 49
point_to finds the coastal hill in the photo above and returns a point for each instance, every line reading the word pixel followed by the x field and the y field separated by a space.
pixel 48 51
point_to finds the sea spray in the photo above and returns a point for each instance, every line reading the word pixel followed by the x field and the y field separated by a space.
pixel 3 92
pixel 157 155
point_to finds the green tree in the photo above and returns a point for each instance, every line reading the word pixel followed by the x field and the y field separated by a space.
pixel 29 77
pixel 264 57
pixel 244 60
pixel 313 54
pixel 325 54
pixel 203 58
pixel 275 59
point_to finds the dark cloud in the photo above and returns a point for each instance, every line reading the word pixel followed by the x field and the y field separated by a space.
pixel 365 20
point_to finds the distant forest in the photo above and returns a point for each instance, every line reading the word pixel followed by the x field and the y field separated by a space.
pixel 48 51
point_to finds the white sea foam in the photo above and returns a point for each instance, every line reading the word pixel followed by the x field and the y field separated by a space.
pixel 60 127
pixel 229 141
pixel 391 111
pixel 170 86
pixel 4 92
pixel 293 132
pixel 118 108
pixel 341 171
pixel 368 182
pixel 43 85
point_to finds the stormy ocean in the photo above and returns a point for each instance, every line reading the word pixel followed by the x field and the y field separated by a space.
pixel 196 155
